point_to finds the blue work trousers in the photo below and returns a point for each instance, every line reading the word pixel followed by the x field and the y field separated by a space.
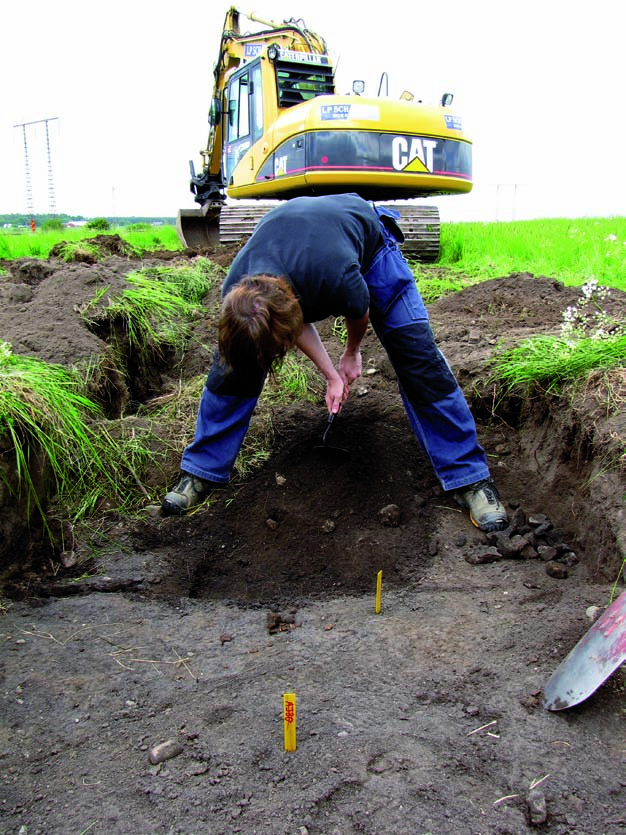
pixel 435 405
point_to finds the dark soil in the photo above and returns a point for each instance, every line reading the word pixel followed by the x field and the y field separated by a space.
pixel 425 718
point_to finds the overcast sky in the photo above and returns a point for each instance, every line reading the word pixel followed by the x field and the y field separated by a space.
pixel 126 87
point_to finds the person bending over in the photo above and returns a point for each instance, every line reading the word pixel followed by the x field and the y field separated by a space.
pixel 308 259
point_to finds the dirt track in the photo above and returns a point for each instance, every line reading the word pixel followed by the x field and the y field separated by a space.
pixel 426 718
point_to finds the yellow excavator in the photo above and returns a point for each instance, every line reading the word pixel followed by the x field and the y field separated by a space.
pixel 279 129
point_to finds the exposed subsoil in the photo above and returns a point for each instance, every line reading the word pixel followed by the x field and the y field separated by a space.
pixel 424 718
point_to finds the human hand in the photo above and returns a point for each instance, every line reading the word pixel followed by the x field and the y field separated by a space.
pixel 350 367
pixel 336 394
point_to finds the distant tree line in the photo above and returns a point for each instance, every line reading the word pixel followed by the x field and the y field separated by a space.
pixel 62 219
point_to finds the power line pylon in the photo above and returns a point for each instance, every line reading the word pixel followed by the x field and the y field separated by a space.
pixel 27 171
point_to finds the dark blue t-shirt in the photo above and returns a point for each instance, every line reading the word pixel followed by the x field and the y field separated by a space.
pixel 322 246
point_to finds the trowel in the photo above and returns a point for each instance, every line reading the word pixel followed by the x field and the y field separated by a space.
pixel 325 445
pixel 598 654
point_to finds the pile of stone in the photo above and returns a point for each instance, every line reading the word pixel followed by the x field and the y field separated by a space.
pixel 527 538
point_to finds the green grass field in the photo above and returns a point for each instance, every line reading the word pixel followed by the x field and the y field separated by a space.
pixel 571 250
pixel 22 243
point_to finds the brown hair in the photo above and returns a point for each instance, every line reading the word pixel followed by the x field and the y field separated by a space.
pixel 261 320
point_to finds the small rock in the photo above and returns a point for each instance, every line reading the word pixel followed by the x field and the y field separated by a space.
pixel 530 702
pixel 460 540
pixel 546 553
pixel 328 526
pixel 537 809
pixel 529 553
pixel 272 524
pixel 592 612
pixel 198 769
pixel 490 554
pixel 165 751
pixel 277 623
pixel 557 570
pixel 537 519
pixel 362 391
pixel 389 516
pixel 577 803
pixel 225 638
pixel 280 479
pixel 518 518
pixel 510 547
pixel 69 559
pixel 569 558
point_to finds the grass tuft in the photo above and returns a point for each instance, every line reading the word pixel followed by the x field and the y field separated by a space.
pixel 549 361
pixel 42 410
pixel 158 304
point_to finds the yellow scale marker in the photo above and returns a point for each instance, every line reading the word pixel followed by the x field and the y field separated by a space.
pixel 289 720
pixel 379 586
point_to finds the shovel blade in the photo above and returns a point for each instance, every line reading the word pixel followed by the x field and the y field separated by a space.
pixel 598 654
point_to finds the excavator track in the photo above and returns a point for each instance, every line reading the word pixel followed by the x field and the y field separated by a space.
pixel 233 223
pixel 421 227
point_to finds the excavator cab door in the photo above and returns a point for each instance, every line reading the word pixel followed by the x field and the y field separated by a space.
pixel 244 115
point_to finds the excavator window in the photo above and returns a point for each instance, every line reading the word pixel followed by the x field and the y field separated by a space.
pixel 302 82
pixel 238 108
pixel 256 95
pixel 245 115
pixel 245 104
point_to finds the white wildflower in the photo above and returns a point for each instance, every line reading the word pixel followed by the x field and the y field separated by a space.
pixel 590 287
pixel 6 351
pixel 578 323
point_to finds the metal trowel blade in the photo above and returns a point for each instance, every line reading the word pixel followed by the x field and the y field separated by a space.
pixel 325 445
pixel 598 654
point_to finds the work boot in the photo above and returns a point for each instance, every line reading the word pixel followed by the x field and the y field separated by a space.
pixel 483 502
pixel 189 492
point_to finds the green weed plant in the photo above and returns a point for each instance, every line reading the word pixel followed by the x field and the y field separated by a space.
pixel 72 251
pixel 157 306
pixel 295 379
pixel 591 339
pixel 42 409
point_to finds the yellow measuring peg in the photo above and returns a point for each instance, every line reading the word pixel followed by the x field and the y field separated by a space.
pixel 289 720
pixel 379 587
